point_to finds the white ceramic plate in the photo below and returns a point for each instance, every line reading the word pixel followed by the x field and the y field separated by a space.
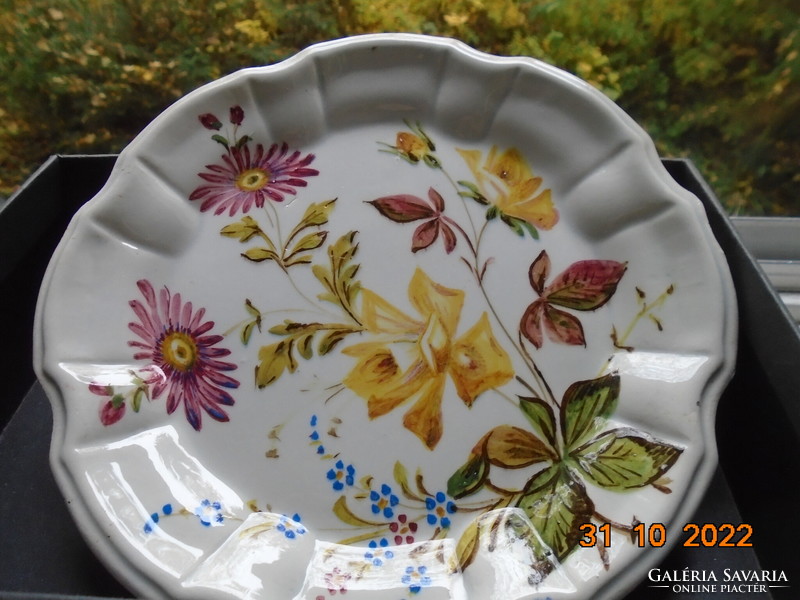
pixel 394 318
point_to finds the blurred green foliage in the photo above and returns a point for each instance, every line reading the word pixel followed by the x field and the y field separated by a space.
pixel 715 80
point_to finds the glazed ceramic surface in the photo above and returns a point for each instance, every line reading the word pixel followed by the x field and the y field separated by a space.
pixel 392 318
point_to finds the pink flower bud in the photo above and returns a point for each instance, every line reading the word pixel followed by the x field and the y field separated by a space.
pixel 209 121
pixel 110 414
pixel 237 115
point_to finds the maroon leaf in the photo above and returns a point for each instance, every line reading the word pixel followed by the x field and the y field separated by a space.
pixel 530 324
pixel 403 208
pixel 436 199
pixel 563 327
pixel 448 236
pixel 425 235
pixel 539 271
pixel 585 285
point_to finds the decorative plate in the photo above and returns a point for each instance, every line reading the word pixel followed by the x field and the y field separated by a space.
pixel 393 318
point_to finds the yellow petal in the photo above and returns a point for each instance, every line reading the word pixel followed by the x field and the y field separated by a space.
pixel 510 167
pixel 430 298
pixel 381 317
pixel 425 417
pixel 538 211
pixel 434 345
pixel 380 380
pixel 478 362
pixel 411 144
pixel 473 160
pixel 364 349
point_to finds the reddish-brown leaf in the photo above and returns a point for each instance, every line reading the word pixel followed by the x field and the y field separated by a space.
pixel 448 236
pixel 585 285
pixel 403 208
pixel 425 235
pixel 563 327
pixel 539 271
pixel 530 324
pixel 436 199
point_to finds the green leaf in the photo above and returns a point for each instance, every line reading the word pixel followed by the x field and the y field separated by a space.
pixel 473 189
pixel 557 504
pixel 401 477
pixel 534 233
pixel 467 545
pixel 219 139
pixel 243 230
pixel 513 223
pixel 328 341
pixel 305 259
pixel 250 308
pixel 586 407
pixel 117 400
pixel 432 161
pixel 624 459
pixel 541 416
pixel 513 448
pixel 338 280
pixel 492 213
pixel 469 478
pixel 247 332
pixel 310 241
pixel 136 403
pixel 317 213
pixel 273 361
pixel 345 515
pixel 473 192
pixel 303 345
pixel 260 254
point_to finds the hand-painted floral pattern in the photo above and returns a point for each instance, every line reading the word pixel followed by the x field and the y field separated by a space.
pixel 246 177
pixel 183 360
pixel 474 361
pixel 505 181
pixel 406 208
pixel 175 340
pixel 209 513
pixel 584 285
pixel 416 578
pixel 563 443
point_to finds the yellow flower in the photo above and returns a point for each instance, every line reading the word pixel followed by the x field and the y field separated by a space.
pixel 414 146
pixel 413 357
pixel 411 145
pixel 506 180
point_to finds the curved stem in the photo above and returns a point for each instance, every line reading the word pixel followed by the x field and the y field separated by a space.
pixel 537 373
pixel 466 209
pixel 508 398
pixel 276 223
pixel 618 526
pixel 300 293
pixel 519 347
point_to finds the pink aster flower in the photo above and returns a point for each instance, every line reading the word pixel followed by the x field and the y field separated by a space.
pixel 175 341
pixel 246 178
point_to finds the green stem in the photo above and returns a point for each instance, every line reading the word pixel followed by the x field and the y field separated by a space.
pixel 643 312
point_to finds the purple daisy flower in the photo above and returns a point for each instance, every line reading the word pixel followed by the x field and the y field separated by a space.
pixel 174 340
pixel 246 178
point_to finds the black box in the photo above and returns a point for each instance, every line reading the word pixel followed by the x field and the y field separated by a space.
pixel 42 554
